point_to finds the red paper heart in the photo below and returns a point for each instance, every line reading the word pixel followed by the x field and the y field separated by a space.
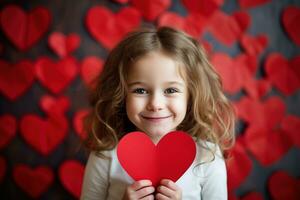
pixel 33 181
pixel 284 74
pixel 291 126
pixel 8 128
pixel 71 176
pixel 238 165
pixel 24 30
pixel 54 106
pixel 268 146
pixel 151 9
pixel 254 45
pixel 257 88
pixel 78 123
pixel 243 19
pixel 44 135
pixel 15 79
pixel 252 196
pixel 283 186
pixel 252 3
pixel 204 7
pixel 63 45
pixel 56 76
pixel 91 68
pixel 2 168
pixel 290 20
pixel 112 27
pixel 170 158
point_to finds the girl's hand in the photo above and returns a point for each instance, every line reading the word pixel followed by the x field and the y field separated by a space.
pixel 168 190
pixel 142 189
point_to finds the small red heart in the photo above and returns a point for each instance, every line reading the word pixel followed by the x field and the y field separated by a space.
pixel 71 176
pixel 257 88
pixel 283 74
pixel 252 3
pixel 290 20
pixel 156 162
pixel 203 7
pixel 15 79
pixel 283 186
pixel 56 76
pixel 151 9
pixel 22 29
pixel 8 128
pixel 253 196
pixel 91 68
pixel 291 126
pixel 54 106
pixel 243 19
pixel 63 45
pixel 44 135
pixel 254 45
pixel 112 27
pixel 238 165
pixel 268 146
pixel 2 168
pixel 34 182
pixel 78 123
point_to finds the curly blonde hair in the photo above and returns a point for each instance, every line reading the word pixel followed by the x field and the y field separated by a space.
pixel 210 116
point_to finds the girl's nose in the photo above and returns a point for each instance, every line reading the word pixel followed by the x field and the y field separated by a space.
pixel 155 103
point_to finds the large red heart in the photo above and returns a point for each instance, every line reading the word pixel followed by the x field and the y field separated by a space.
pixel 290 20
pixel 44 135
pixel 109 28
pixel 91 68
pixel 63 45
pixel 54 106
pixel 78 123
pixel 2 168
pixel 283 186
pixel 15 79
pixel 33 181
pixel 252 3
pixel 71 176
pixel 204 7
pixel 284 74
pixel 254 45
pixel 169 159
pixel 24 30
pixel 56 76
pixel 8 128
pixel 151 9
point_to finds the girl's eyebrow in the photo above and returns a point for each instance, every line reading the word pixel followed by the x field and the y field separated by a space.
pixel 167 83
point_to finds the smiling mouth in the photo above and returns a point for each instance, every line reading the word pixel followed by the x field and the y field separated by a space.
pixel 155 119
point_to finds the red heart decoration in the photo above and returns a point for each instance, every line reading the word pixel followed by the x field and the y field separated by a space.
pixel 24 30
pixel 291 126
pixel 33 181
pixel 170 158
pixel 78 123
pixel 254 45
pixel 56 76
pixel 63 45
pixel 253 196
pixel 252 3
pixel 91 68
pixel 2 168
pixel 283 186
pixel 268 146
pixel 203 7
pixel 290 20
pixel 284 74
pixel 112 27
pixel 238 165
pixel 243 19
pixel 15 79
pixel 54 106
pixel 44 135
pixel 71 176
pixel 151 9
pixel 257 88
pixel 8 128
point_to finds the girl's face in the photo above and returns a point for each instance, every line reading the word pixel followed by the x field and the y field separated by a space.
pixel 157 96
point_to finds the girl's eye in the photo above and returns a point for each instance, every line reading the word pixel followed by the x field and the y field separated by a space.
pixel 140 91
pixel 171 90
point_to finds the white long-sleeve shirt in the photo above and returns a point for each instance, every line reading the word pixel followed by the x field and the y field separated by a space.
pixel 206 178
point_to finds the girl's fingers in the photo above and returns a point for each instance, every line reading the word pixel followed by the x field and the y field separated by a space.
pixel 169 184
pixel 165 191
pixel 160 196
pixel 150 197
pixel 140 184
pixel 144 192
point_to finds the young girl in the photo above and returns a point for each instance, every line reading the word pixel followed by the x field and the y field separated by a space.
pixel 157 81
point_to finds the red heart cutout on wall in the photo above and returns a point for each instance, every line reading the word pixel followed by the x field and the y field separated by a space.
pixel 71 176
pixel 15 79
pixel 91 68
pixel 54 106
pixel 283 186
pixel 243 19
pixel 254 45
pixel 78 123
pixel 256 89
pixel 33 181
pixel 22 29
pixel 169 159
pixel 63 45
pixel 56 76
pixel 151 9
pixel 251 3
pixel 111 27
pixel 8 128
pixel 290 20
pixel 44 135
pixel 284 74
pixel 203 7
pixel 291 126
pixel 2 168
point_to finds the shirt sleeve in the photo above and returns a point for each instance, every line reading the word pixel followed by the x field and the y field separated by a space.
pixel 95 181
pixel 214 186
